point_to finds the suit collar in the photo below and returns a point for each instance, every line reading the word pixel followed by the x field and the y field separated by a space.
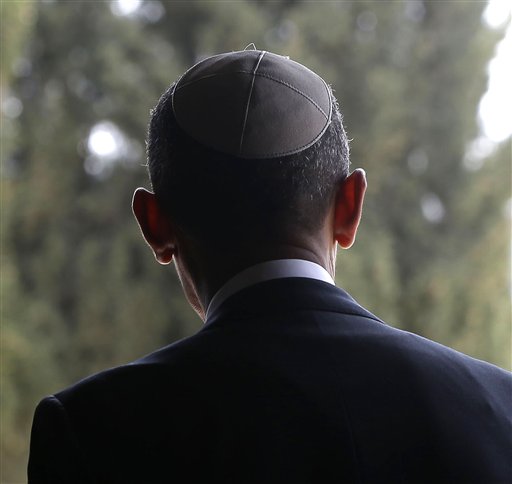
pixel 266 271
pixel 286 295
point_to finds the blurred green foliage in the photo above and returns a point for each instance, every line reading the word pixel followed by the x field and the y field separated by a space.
pixel 80 291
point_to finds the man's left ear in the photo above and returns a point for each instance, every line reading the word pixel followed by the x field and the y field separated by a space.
pixel 154 225
pixel 349 208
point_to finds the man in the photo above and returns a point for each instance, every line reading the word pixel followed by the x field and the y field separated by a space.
pixel 290 380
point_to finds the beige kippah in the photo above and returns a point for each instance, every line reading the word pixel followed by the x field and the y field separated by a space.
pixel 252 104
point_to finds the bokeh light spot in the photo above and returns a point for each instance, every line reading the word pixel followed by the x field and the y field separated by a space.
pixel 124 7
pixel 432 208
pixel 102 141
pixel 12 107
pixel 495 107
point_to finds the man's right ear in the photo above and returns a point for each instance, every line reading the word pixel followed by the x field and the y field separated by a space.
pixel 154 224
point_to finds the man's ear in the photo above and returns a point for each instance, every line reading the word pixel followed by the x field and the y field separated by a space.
pixel 349 208
pixel 154 224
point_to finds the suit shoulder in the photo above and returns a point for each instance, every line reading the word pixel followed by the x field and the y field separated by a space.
pixel 442 376
pixel 413 347
pixel 54 449
pixel 137 379
pixel 437 358
pixel 421 362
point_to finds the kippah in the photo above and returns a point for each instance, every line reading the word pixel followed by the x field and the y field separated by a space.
pixel 252 104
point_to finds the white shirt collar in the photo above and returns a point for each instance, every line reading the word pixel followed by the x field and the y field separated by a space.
pixel 274 269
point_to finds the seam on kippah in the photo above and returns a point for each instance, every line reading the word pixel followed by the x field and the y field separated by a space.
pixel 298 91
pixel 249 101
pixel 254 73
pixel 193 81
pixel 329 96
pixel 208 76
pixel 194 66
pixel 295 150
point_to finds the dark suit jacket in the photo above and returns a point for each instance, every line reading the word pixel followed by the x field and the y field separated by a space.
pixel 290 381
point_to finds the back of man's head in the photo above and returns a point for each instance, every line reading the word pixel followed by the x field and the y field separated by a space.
pixel 276 175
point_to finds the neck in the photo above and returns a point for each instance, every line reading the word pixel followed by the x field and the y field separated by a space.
pixel 208 271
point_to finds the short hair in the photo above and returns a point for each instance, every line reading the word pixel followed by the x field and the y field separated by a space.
pixel 212 196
